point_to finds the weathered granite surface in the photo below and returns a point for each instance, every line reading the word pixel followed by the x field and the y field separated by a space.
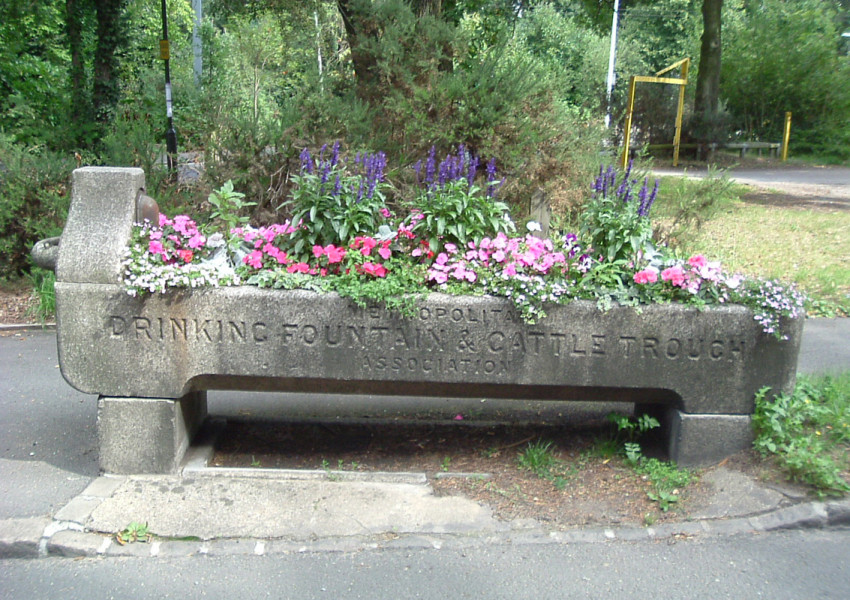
pixel 702 367
pixel 164 346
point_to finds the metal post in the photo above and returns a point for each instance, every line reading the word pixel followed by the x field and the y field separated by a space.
pixel 197 47
pixel 171 133
pixel 627 134
pixel 678 135
pixel 612 55
pixel 786 136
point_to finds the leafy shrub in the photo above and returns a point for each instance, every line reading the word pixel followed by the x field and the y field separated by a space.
pixel 330 206
pixel 807 431
pixel 34 200
pixel 450 208
pixel 784 56
pixel 616 220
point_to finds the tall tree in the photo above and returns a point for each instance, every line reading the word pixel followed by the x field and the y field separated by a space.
pixel 80 102
pixel 707 95
pixel 111 36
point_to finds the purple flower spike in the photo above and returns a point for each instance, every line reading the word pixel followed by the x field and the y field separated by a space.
pixel 642 198
pixel 431 166
pixel 472 169
pixel 306 161
pixel 335 156
pixel 651 197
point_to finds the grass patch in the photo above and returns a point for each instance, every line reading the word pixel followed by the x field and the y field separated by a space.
pixel 807 247
pixel 810 248
pixel 808 432
pixel 539 458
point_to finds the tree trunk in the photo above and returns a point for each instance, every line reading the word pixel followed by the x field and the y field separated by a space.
pixel 79 113
pixel 357 28
pixel 110 36
pixel 707 99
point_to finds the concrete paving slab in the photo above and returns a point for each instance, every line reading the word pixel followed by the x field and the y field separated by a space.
pixel 263 508
pixel 735 494
pixel 19 538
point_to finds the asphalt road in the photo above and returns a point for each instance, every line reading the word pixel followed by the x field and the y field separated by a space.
pixel 827 183
pixel 779 566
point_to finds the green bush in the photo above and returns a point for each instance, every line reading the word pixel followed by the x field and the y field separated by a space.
pixel 34 199
pixel 808 431
pixel 784 56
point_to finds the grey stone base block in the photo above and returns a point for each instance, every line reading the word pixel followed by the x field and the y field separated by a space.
pixel 701 440
pixel 147 435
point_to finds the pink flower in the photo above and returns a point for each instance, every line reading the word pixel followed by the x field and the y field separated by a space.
pixel 646 276
pixel 385 212
pixel 318 251
pixel 675 275
pixel 385 251
pixel 300 267
pixel 698 261
pixel 374 269
pixel 437 276
pixel 156 247
pixel 275 252
pixel 186 255
pixel 334 254
pixel 197 241
pixel 365 244
pixel 255 259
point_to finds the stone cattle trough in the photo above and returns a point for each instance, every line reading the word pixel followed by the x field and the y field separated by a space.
pixel 151 359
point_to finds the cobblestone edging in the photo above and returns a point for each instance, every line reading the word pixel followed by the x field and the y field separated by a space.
pixel 65 535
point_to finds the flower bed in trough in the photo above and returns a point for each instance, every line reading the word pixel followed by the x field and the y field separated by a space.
pixel 400 312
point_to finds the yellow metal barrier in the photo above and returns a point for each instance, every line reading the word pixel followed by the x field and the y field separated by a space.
pixel 786 137
pixel 681 81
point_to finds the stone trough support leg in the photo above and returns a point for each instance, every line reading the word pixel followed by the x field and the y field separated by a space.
pixel 701 440
pixel 147 435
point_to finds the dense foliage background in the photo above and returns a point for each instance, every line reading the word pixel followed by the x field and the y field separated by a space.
pixel 81 82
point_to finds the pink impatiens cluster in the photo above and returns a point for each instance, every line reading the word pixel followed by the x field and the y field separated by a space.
pixel 174 240
pixel 364 254
pixel 510 256
pixel 693 276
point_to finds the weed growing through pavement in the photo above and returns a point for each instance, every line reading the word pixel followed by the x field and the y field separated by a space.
pixel 134 532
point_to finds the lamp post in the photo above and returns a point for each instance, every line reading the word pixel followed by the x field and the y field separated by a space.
pixel 171 133
pixel 611 61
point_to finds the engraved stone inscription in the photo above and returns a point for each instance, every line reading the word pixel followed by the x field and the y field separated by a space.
pixel 439 341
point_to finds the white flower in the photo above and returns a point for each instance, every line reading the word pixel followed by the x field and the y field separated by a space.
pixel 533 226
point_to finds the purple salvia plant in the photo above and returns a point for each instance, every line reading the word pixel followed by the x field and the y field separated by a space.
pixel 651 198
pixel 306 161
pixel 471 170
pixel 431 167
pixel 491 178
pixel 642 196
pixel 335 155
